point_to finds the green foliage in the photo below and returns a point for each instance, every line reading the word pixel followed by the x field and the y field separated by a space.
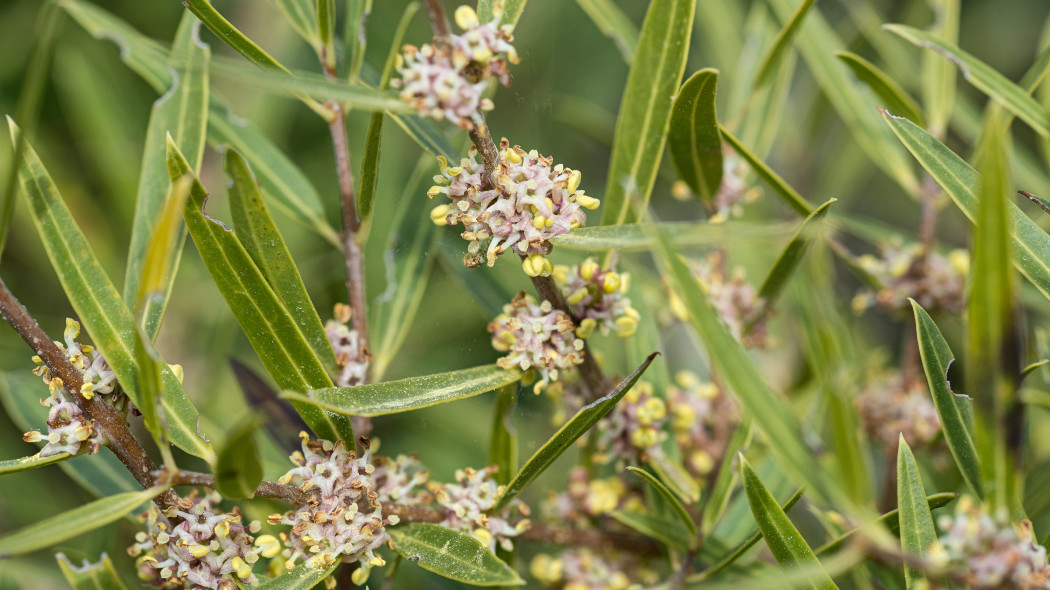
pixel 91 576
pixel 452 555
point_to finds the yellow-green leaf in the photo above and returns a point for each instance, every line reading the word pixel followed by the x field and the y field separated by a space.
pixel 916 522
pixel 91 576
pixel 451 554
pixel 694 140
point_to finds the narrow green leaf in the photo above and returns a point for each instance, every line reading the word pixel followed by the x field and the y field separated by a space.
pixel 41 54
pixel 96 301
pixel 356 40
pixel 776 51
pixel 992 358
pixel 668 532
pixel 916 522
pixel 791 256
pixel 1033 366
pixel 299 14
pixel 614 24
pixel 72 523
pixel 742 548
pixel 722 487
pixel 783 539
pixel 503 444
pixel 260 237
pixel 779 186
pixel 151 386
pixel 413 393
pixel 276 338
pixel 771 414
pixel 182 112
pixel 230 35
pixel 891 520
pixel 645 110
pixel 818 42
pixel 303 577
pixel 451 554
pixel 100 475
pixel 160 255
pixel 938 75
pixel 239 469
pixel 1031 245
pixel 958 433
pixel 326 31
pixel 635 237
pixel 32 462
pixel 675 503
pixel 91 576
pixel 366 191
pixel 984 77
pixel 572 430
pixel 143 55
pixel 673 474
pixel 896 99
pixel 694 140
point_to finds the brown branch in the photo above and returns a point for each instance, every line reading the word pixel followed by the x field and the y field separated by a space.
pixel 436 16
pixel 106 418
pixel 266 489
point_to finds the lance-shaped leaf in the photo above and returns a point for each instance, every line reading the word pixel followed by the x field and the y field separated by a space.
pixel 645 109
pixel 403 395
pixel 238 469
pixel 100 475
pixel 613 23
pixel 890 520
pixel 451 554
pixel 73 523
pixel 694 140
pixel 158 264
pixel 576 427
pixel 672 500
pixel 355 39
pixel 742 548
pixel 258 233
pixel 276 338
pixel 299 14
pixel 984 77
pixel 31 462
pixel 1030 244
pixel 953 410
pixel 791 256
pixel 779 185
pixel 151 387
pixel 783 539
pixel 503 444
pixel 894 98
pixel 183 113
pixel 780 45
pixel 818 42
pixel 96 301
pixel 326 28
pixel 635 237
pixel 303 577
pixel 771 414
pixel 91 576
pixel 916 522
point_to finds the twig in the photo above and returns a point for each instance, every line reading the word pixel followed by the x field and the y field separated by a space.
pixel 106 418
pixel 266 489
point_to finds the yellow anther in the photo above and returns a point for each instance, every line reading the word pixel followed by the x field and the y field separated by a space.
pixel 680 191
pixel 612 283
pixel 439 215
pixel 959 260
pixel 536 265
pixel 454 171
pixel 242 569
pixel 72 329
pixel 466 18
pixel 587 202
pixel 702 462
pixel 539 222
pixel 577 296
pixel 587 326
pixel 360 575
pixel 198 551
pixel 512 156
pixel 222 529
pixel 561 274
pixel 588 269
pixel 645 437
pixel 87 390
pixel 626 326
pixel 483 535
pixel 442 162
pixel 574 181
pixel 269 545
pixel 435 191
pixel 377 561
pixel 38 360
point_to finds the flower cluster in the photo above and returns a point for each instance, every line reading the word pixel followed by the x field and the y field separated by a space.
pixel 586 498
pixel 702 419
pixel 68 429
pixel 469 499
pixel 98 377
pixel 732 193
pixel 446 81
pixel 634 428
pixel 596 297
pixel 400 480
pixel 988 552
pixel 532 202
pixel 935 281
pixel 581 569
pixel 735 300
pixel 206 549
pixel 347 520
pixel 890 407
pixel 352 358
pixel 537 337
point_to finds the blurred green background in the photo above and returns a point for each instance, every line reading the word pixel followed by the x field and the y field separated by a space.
pixel 562 102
